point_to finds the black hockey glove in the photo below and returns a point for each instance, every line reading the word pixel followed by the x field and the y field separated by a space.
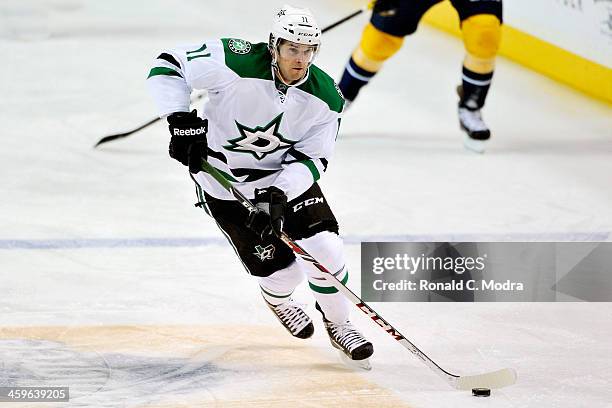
pixel 270 213
pixel 188 143
pixel 385 7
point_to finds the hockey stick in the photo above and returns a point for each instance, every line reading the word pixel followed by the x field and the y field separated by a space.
pixel 125 134
pixel 494 379
pixel 129 132
pixel 116 136
pixel 344 19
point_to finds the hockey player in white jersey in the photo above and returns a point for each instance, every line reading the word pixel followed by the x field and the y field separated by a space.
pixel 270 126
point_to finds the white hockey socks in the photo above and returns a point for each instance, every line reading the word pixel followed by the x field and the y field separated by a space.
pixel 278 287
pixel 327 248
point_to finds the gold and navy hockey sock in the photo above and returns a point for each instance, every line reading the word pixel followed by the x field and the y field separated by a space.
pixel 353 79
pixel 474 89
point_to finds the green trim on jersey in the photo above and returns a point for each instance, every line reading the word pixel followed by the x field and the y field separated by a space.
pixel 313 169
pixel 202 203
pixel 322 86
pixel 327 289
pixel 256 63
pixel 201 49
pixel 163 71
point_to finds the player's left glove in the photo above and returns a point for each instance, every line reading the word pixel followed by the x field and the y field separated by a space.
pixel 270 214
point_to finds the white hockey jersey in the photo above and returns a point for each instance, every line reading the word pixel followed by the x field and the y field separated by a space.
pixel 260 132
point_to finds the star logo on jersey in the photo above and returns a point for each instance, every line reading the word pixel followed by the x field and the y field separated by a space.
pixel 264 253
pixel 238 46
pixel 260 141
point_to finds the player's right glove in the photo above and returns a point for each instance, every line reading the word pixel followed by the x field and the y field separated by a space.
pixel 188 142
pixel 385 7
pixel 269 216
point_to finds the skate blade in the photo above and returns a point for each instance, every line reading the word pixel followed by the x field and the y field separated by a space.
pixel 359 364
pixel 476 146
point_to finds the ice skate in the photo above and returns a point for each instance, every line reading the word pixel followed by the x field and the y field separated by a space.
pixel 477 133
pixel 356 364
pixel 293 318
pixel 354 349
pixel 470 121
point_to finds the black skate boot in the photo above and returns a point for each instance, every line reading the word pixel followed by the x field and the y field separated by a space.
pixel 470 120
pixel 348 341
pixel 293 318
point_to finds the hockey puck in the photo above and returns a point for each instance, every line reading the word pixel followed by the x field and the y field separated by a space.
pixel 481 392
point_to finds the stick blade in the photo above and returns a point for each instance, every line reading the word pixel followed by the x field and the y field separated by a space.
pixel 106 139
pixel 495 379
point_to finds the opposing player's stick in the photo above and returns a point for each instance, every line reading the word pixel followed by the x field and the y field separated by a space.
pixel 494 379
pixel 116 136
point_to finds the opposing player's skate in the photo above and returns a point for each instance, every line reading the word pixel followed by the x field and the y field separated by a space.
pixel 470 120
pixel 477 133
pixel 354 349
pixel 293 318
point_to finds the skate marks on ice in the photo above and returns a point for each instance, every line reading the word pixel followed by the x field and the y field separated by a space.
pixel 182 366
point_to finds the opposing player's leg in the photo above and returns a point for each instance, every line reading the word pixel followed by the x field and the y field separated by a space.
pixel 373 50
pixel 481 28
pixel 268 259
pixel 382 37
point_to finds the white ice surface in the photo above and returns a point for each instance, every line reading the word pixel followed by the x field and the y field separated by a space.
pixel 128 248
